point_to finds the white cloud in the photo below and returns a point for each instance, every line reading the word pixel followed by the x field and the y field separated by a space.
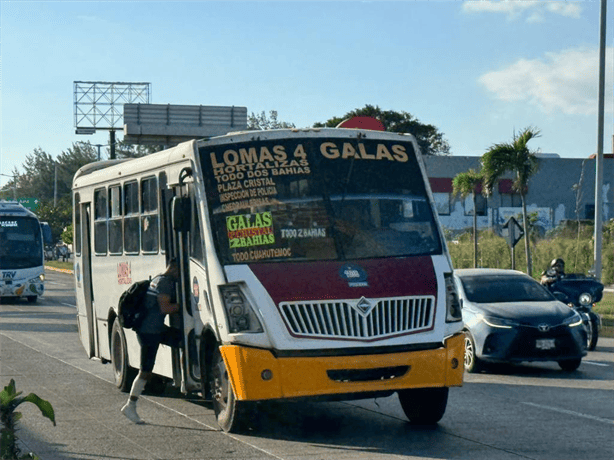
pixel 535 10
pixel 565 82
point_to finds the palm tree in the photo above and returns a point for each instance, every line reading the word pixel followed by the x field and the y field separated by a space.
pixel 464 184
pixel 522 162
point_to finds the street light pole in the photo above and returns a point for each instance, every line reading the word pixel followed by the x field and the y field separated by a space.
pixel 55 185
pixel 599 160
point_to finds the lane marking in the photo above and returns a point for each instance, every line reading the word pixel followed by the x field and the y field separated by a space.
pixel 570 412
pixel 68 305
pixel 596 364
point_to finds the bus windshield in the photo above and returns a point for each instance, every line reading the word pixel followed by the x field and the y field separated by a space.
pixel 323 199
pixel 20 243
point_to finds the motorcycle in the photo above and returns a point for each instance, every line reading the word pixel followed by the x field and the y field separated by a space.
pixel 581 293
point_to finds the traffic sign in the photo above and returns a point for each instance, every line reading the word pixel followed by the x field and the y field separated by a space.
pixel 29 203
pixel 512 232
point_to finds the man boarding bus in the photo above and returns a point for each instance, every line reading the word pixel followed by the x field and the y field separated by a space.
pixel 312 265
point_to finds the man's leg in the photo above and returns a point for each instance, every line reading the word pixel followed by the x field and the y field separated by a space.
pixel 149 349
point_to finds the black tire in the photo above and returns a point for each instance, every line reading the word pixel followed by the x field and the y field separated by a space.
pixel 592 332
pixel 31 298
pixel 570 365
pixel 156 386
pixel 232 415
pixel 424 406
pixel 203 361
pixel 123 373
pixel 471 362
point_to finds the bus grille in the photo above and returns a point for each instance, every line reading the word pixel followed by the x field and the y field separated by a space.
pixel 361 319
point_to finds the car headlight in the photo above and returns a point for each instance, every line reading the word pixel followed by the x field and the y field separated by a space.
pixel 38 279
pixel 585 299
pixel 239 312
pixel 500 323
pixel 574 320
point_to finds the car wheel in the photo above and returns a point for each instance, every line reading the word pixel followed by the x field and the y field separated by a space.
pixel 123 373
pixel 31 298
pixel 232 415
pixel 570 365
pixel 472 362
pixel 424 406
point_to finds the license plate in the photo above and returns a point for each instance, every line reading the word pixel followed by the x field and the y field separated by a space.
pixel 545 344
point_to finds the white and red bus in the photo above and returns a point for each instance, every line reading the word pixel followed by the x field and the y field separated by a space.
pixel 313 266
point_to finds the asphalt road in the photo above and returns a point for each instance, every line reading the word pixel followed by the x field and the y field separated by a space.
pixel 521 412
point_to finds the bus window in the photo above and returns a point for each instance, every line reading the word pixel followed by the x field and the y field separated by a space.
pixel 161 187
pixel 100 221
pixel 77 227
pixel 115 220
pixel 149 216
pixel 131 217
pixel 196 238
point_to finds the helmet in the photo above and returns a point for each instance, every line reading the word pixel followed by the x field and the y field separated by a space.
pixel 557 262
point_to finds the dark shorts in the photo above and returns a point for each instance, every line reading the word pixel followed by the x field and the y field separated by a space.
pixel 151 342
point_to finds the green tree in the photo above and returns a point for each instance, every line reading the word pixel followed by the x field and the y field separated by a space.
pixel 465 184
pixel 67 235
pixel 516 158
pixel 10 399
pixel 37 180
pixel 430 140
pixel 58 217
pixel 124 150
pixel 262 122
pixel 50 181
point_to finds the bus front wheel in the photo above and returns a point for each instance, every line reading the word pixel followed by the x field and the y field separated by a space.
pixel 424 406
pixel 124 374
pixel 232 415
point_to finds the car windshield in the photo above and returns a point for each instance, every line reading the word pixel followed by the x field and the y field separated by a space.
pixel 499 288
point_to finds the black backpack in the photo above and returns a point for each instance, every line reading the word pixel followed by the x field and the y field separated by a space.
pixel 131 307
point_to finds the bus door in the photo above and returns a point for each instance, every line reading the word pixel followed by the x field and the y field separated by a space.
pixel 176 216
pixel 85 314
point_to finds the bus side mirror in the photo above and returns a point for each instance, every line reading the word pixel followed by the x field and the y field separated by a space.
pixel 181 212
pixel 47 237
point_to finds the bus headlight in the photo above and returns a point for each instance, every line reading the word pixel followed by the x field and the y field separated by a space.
pixel 239 312
pixel 453 308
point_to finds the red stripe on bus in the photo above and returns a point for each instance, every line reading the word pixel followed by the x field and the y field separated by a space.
pixel 322 280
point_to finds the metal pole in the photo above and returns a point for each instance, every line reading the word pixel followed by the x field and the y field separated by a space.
pixel 599 160
pixel 112 142
pixel 55 185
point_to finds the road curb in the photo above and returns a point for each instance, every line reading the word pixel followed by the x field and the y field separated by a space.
pixel 61 270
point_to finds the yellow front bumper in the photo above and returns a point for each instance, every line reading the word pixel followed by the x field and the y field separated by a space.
pixel 299 377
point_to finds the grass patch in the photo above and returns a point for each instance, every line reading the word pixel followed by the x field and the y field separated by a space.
pixel 59 264
pixel 606 309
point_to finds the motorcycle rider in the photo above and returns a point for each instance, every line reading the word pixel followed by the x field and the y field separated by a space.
pixel 554 272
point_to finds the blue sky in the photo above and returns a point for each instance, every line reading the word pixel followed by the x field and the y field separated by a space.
pixel 479 71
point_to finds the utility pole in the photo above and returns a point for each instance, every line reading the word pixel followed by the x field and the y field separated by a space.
pixel 599 160
pixel 55 185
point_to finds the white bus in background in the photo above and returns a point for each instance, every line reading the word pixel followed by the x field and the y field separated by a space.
pixel 22 239
pixel 313 266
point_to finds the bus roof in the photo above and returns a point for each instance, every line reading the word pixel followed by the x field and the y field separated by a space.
pixel 14 209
